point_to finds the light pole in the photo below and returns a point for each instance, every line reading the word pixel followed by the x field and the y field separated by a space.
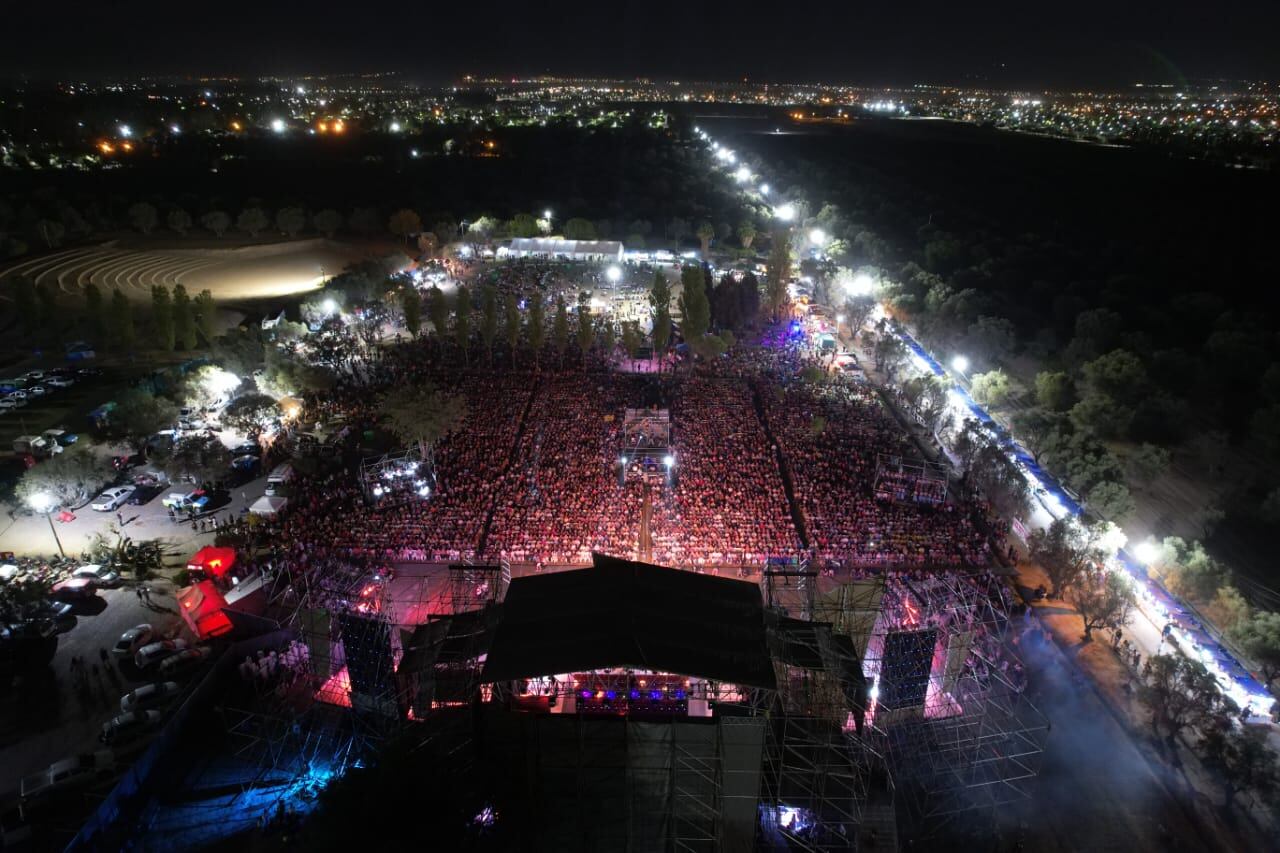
pixel 43 502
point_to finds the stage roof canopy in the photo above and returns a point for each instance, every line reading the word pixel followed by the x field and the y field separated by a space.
pixel 626 614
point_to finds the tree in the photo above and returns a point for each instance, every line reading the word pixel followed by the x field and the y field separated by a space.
pixel 992 338
pixel 524 225
pixel 1119 374
pixel 778 274
pixel 1065 550
pixel 411 305
pixel 1188 570
pixel 746 233
pixel 252 220
pixel 660 302
pixel 198 458
pixel 1112 500
pixel 631 338
pixel 1104 599
pixel 992 388
pixel 162 317
pixel 608 334
pixel 251 413
pixel 138 415
pixel 291 220
pixel 438 311
pixel 462 320
pixel 403 223
pixel 206 316
pixel 96 314
pixel 184 320
pixel 1228 609
pixel 578 228
pixel 328 222
pixel 488 318
pixel 421 413
pixel 121 318
pixel 143 217
pixel 1149 462
pixel 586 333
pixel 1180 693
pixel 695 309
pixel 511 322
pixel 1055 391
pixel 1102 415
pixel 706 233
pixel 537 328
pixel 1244 761
pixel 1259 638
pixel 364 221
pixel 217 221
pixel 179 220
pixel 70 478
pixel 560 328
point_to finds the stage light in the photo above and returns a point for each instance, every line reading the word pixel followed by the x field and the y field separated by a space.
pixel 960 364
pixel 622 460
pixel 669 460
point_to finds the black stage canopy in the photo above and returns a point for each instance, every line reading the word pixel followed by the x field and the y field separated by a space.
pixel 627 614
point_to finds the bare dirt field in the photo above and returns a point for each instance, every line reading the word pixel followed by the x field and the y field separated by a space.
pixel 238 273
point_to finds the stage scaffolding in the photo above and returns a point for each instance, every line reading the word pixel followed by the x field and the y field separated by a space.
pixel 910 480
pixel 323 709
pixel 949 709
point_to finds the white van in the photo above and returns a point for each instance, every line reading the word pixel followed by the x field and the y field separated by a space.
pixel 278 479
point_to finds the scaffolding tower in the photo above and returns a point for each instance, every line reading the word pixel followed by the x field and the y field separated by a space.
pixel 949 708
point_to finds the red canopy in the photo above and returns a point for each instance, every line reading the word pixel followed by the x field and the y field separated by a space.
pixel 213 561
pixel 201 607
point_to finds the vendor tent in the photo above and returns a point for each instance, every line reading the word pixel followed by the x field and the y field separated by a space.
pixel 268 505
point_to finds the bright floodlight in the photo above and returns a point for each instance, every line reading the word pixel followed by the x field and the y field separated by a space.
pixel 174 129
pixel 300 90
pixel 41 501
pixel 786 212
pixel 960 364
pixel 817 237
pixel 1146 552
pixel 614 273
pixel 743 174
pixel 395 127
pixel 330 306
pixel 839 318
pixel 277 124
pixel 764 189
pixel 669 461
pixel 860 285
pixel 126 131
pixel 546 214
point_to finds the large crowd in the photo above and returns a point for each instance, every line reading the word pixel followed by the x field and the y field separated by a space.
pixel 533 477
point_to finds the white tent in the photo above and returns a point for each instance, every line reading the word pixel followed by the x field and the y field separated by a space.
pixel 550 247
pixel 268 505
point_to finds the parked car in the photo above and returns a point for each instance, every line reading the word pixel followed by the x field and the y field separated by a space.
pixel 59 382
pixel 60 436
pixel 34 375
pixel 88 371
pixel 130 726
pixel 105 577
pixel 74 588
pixel 68 773
pixel 112 498
pixel 246 448
pixel 153 653
pixel 59 613
pixel 183 661
pixel 150 696
pixel 37 391
pixel 143 495
pixel 133 640
pixel 8 405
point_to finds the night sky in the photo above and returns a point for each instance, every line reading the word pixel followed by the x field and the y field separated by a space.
pixel 1031 42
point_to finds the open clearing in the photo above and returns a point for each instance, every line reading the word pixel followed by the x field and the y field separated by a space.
pixel 249 272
